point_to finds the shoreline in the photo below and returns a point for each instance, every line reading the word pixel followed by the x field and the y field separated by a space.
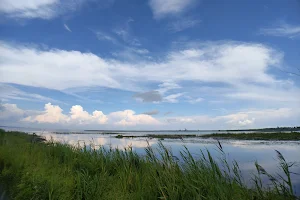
pixel 66 172
pixel 278 136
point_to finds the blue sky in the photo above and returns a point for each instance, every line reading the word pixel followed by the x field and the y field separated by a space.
pixel 151 64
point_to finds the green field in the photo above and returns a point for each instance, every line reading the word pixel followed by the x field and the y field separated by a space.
pixel 33 169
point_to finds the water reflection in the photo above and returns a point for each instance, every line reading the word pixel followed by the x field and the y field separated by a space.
pixel 244 152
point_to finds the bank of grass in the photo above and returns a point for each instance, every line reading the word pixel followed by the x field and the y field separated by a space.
pixel 293 136
pixel 32 169
pixel 272 136
pixel 159 136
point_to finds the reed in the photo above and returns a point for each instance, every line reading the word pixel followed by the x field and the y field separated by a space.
pixel 33 169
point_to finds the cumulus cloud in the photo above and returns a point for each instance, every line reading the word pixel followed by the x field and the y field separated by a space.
pixel 162 8
pixel 11 113
pixel 129 118
pixel 53 114
pixel 83 117
pixel 151 96
pixel 282 29
pixel 45 9
pixel 77 116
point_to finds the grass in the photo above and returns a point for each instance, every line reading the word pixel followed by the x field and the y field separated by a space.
pixel 32 169
pixel 292 136
pixel 159 136
pixel 256 136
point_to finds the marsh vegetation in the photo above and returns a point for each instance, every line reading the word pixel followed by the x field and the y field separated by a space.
pixel 33 169
pixel 292 136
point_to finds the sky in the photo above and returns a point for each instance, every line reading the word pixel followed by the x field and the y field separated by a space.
pixel 150 64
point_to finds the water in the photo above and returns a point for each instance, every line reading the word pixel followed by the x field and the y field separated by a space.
pixel 244 152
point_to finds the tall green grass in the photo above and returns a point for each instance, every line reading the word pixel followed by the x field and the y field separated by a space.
pixel 31 169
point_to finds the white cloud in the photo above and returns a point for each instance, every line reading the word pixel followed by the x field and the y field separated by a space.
pixel 77 116
pixel 281 93
pixel 246 122
pixel 244 68
pixel 245 119
pixel 10 112
pixel 104 36
pixel 166 86
pixel 172 98
pixel 181 120
pixel 67 28
pixel 121 35
pixel 264 117
pixel 162 8
pixel 45 9
pixel 129 118
pixel 194 100
pixel 8 92
pixel 124 32
pixel 225 62
pixel 282 29
pixel 83 117
pixel 53 114
pixel 182 24
pixel 128 46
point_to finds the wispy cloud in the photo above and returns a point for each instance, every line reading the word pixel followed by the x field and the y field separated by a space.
pixel 241 67
pixel 121 35
pixel 162 8
pixel 105 36
pixel 194 100
pixel 44 9
pixel 167 85
pixel 67 28
pixel 282 29
pixel 182 24
pixel 172 98
pixel 247 119
pixel 125 33
pixel 168 113
pixel 9 92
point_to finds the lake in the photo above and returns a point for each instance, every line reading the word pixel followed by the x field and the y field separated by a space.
pixel 244 152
